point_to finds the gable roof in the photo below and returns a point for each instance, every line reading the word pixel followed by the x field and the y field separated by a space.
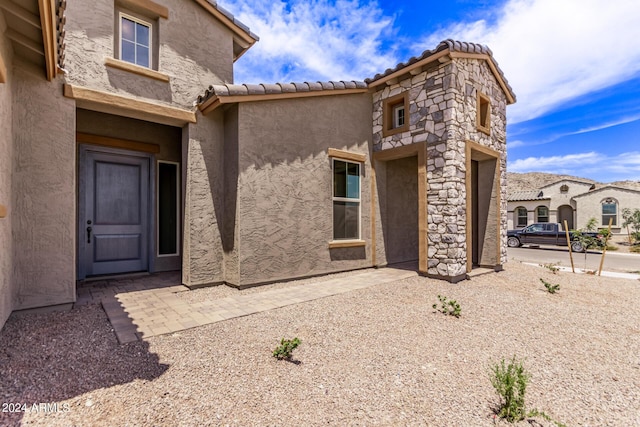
pixel 243 38
pixel 607 187
pixel 217 95
pixel 447 49
pixel 570 180
pixel 523 196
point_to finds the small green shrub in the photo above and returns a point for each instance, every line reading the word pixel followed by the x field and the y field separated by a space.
pixel 450 307
pixel 552 289
pixel 552 267
pixel 286 347
pixel 510 382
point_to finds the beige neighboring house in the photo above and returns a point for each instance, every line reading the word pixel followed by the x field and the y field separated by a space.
pixel 126 146
pixel 574 201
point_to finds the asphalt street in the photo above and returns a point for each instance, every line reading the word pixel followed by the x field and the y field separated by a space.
pixel 622 262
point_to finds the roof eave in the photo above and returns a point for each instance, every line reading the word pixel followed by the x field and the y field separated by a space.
pixel 216 101
pixel 242 37
pixel 444 56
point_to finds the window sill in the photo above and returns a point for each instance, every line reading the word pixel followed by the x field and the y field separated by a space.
pixel 393 131
pixel 346 243
pixel 136 69
pixel 483 130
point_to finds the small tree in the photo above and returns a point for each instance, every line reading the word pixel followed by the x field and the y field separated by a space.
pixel 587 242
pixel 632 220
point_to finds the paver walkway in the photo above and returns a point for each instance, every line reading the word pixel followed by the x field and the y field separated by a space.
pixel 147 306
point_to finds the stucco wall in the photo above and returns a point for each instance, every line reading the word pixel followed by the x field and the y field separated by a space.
pixel 195 50
pixel 531 206
pixel 402 210
pixel 203 155
pixel 285 178
pixel 590 206
pixel 44 192
pixel 559 198
pixel 7 290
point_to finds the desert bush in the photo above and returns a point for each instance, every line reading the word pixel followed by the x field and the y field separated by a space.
pixel 450 307
pixel 286 347
pixel 552 289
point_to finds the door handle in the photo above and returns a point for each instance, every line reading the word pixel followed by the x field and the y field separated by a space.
pixel 89 234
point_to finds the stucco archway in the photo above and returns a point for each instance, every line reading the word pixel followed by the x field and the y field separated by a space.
pixel 565 213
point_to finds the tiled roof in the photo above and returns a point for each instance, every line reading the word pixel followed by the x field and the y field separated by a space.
pixel 216 92
pixel 232 18
pixel 452 46
pixel 570 180
pixel 521 196
pixel 277 88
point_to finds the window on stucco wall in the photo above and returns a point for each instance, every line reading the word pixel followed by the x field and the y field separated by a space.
pixel 346 200
pixel 135 45
pixel 609 212
pixel 136 29
pixel 521 217
pixel 542 214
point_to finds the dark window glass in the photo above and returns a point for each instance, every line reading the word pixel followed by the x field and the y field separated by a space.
pixel 167 208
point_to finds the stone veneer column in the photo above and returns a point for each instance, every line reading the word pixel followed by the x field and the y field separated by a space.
pixel 442 112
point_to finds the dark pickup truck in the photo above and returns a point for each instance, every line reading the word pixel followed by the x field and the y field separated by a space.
pixel 545 234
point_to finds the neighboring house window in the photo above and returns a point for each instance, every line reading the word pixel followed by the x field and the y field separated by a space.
pixel 135 40
pixel 609 211
pixel 564 189
pixel 394 113
pixel 483 113
pixel 542 213
pixel 346 200
pixel 521 217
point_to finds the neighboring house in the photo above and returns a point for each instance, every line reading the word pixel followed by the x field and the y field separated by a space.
pixel 116 158
pixel 574 201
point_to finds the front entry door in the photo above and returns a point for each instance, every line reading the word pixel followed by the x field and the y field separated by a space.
pixel 113 228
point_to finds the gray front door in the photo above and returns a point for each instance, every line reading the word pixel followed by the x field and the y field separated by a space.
pixel 113 228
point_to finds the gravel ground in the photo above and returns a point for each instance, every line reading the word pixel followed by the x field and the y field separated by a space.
pixel 378 356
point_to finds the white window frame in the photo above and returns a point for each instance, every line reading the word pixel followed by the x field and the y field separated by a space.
pixel 538 214
pixel 613 202
pixel 346 199
pixel 526 216
pixel 396 115
pixel 137 20
pixel 178 187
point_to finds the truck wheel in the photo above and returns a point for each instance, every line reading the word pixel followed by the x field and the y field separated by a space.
pixel 513 242
pixel 577 247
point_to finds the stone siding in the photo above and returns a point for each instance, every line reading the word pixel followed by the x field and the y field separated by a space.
pixel 442 112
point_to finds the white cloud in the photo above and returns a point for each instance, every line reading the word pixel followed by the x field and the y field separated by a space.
pixel 593 165
pixel 326 39
pixel 553 51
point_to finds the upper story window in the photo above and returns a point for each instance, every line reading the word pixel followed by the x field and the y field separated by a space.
pixel 394 111
pixel 609 212
pixel 135 40
pixel 564 188
pixel 483 113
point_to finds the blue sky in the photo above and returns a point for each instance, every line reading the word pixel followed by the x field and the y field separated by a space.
pixel 573 64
